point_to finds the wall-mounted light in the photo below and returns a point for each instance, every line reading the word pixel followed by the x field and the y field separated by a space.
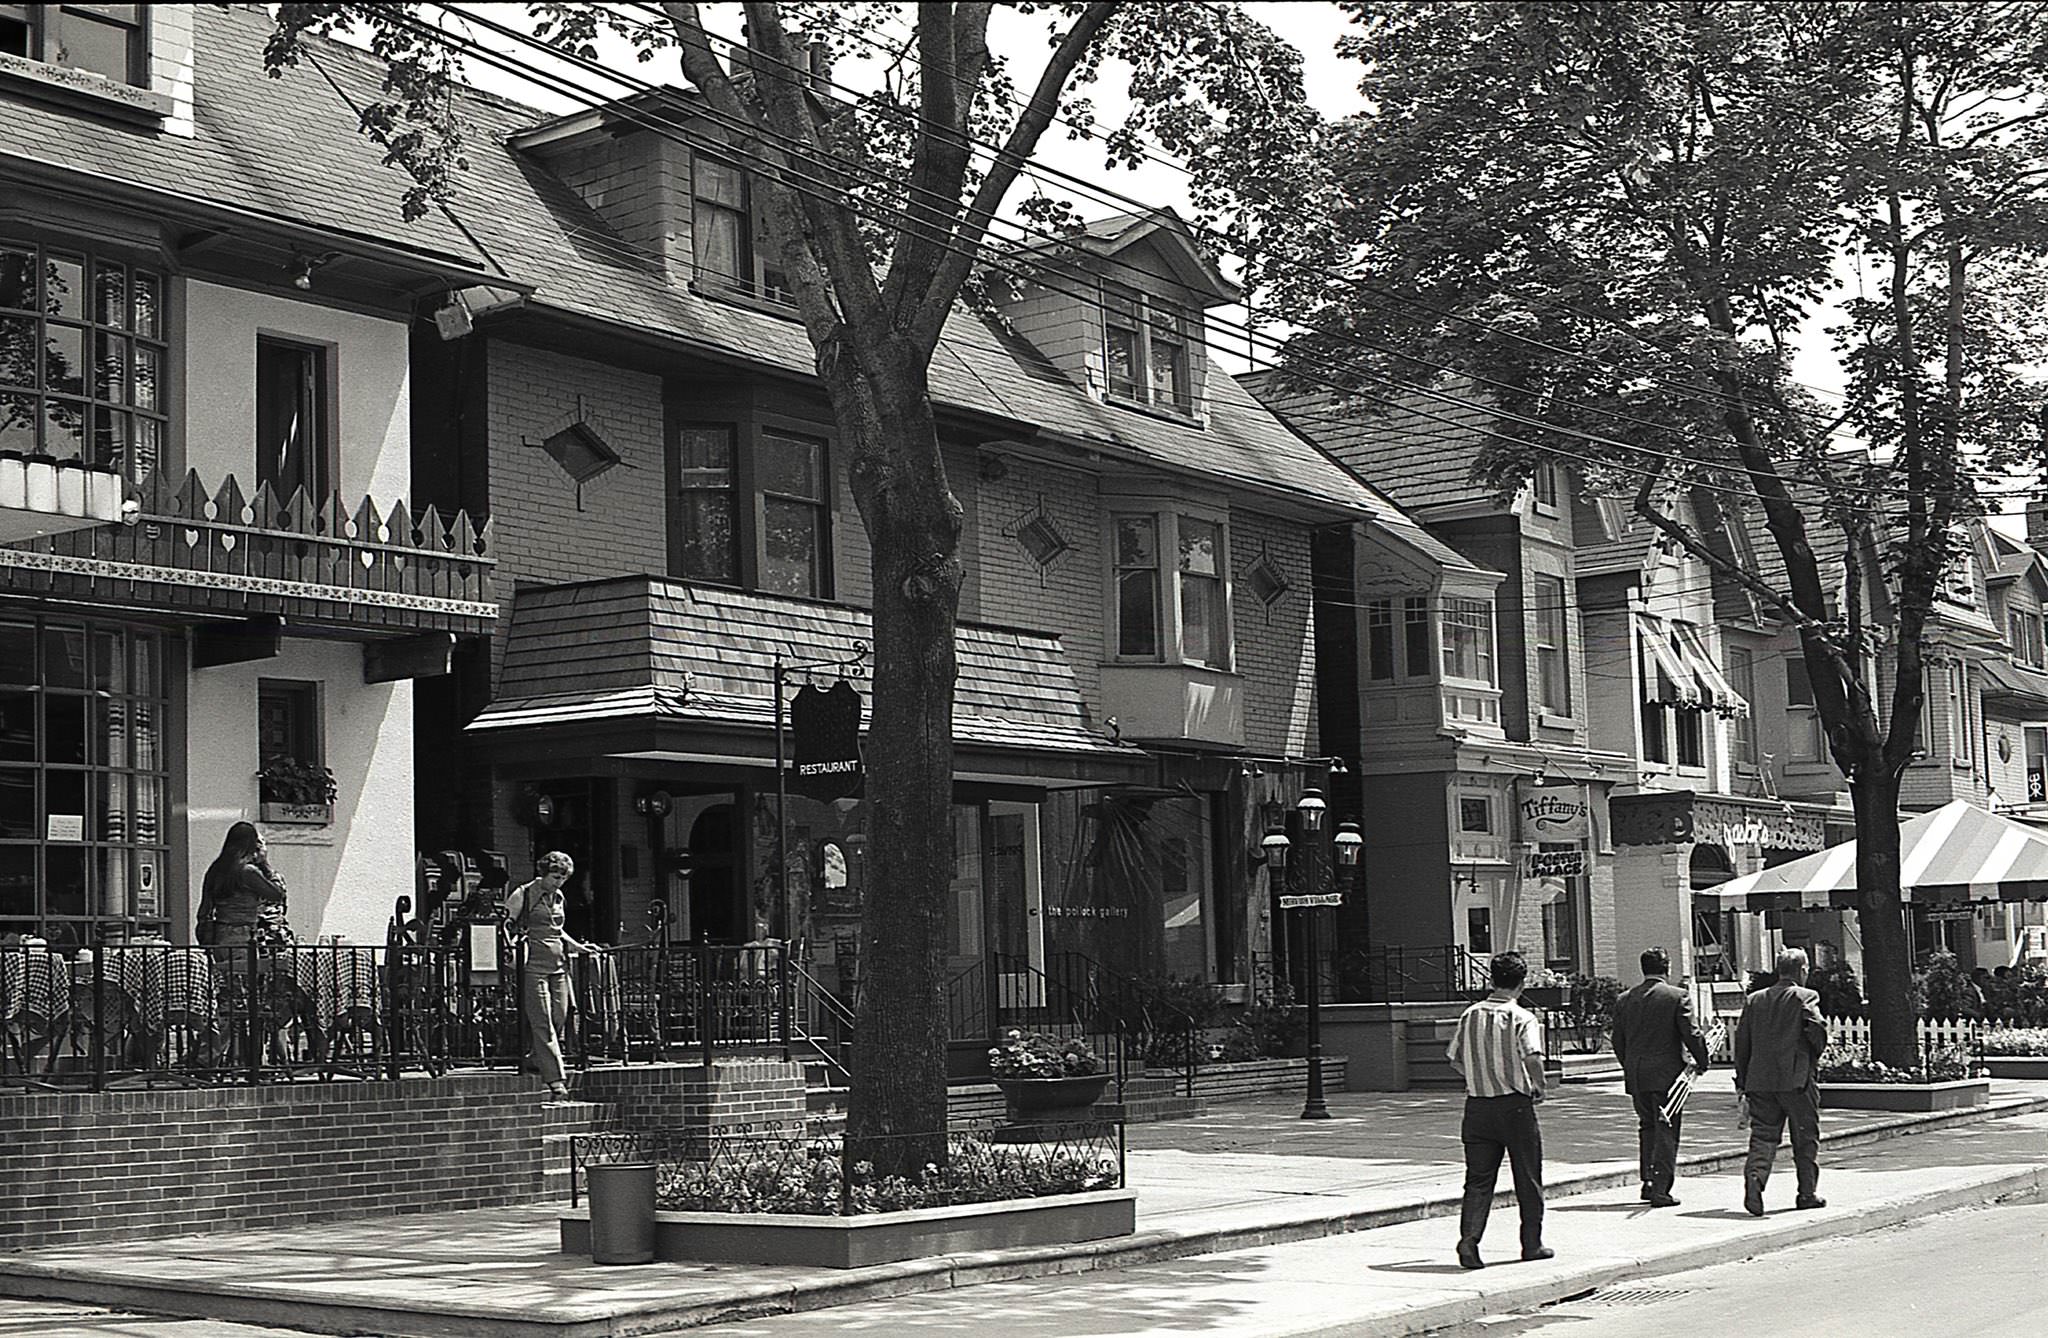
pixel 655 804
pixel 537 809
pixel 303 264
pixel 1350 845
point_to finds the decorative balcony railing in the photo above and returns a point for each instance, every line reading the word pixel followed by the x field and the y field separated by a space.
pixel 363 570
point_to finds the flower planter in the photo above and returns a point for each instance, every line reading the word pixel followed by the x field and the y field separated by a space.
pixel 1042 1100
pixel 311 815
pixel 1547 996
pixel 878 1238
pixel 1907 1096
pixel 2017 1066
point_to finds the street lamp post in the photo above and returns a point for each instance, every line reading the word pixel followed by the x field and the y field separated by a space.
pixel 1312 809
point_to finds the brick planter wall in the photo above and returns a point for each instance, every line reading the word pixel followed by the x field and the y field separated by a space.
pixel 683 1098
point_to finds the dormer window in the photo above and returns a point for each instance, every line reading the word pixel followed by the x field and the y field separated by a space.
pixel 111 41
pixel 726 234
pixel 1145 350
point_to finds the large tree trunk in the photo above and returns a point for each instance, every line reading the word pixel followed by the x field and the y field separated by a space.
pixel 896 1105
pixel 1880 914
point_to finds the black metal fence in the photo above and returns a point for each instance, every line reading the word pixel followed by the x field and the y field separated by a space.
pixel 1400 974
pixel 129 1013
pixel 800 1168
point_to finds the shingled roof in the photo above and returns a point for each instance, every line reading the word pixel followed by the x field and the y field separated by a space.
pixel 1419 452
pixel 288 150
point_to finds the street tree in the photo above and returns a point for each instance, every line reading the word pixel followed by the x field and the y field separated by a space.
pixel 880 205
pixel 1616 223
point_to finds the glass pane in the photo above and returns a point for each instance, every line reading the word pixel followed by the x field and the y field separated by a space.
pixel 1199 542
pixel 18 725
pixel 706 551
pixel 64 729
pixel 1201 621
pixel 18 423
pixel 17 278
pixel 109 671
pixel 148 365
pixel 1137 542
pixel 720 183
pixel 64 657
pixel 112 715
pixel 64 359
pixel 110 296
pixel 109 438
pixel 148 804
pixel 113 788
pixel 110 370
pixel 64 429
pixel 147 447
pixel 64 287
pixel 142 734
pixel 18 351
pixel 111 868
pixel 790 547
pixel 17 876
pixel 145 651
pixel 1121 347
pixel 1169 377
pixel 717 240
pixel 791 466
pixel 17 653
pixel 99 47
pixel 64 886
pixel 706 449
pixel 146 304
pixel 64 801
pixel 1137 614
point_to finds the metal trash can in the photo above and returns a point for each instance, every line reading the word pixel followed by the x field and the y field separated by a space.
pixel 621 1213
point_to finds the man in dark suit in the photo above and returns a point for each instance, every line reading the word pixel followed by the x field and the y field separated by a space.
pixel 1653 1032
pixel 1778 1043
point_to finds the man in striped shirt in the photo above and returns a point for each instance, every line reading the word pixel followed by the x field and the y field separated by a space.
pixel 1498 1048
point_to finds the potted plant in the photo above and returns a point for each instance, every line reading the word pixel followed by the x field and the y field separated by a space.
pixel 293 791
pixel 1546 988
pixel 1046 1077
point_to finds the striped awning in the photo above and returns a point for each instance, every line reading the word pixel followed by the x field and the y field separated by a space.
pixel 1678 670
pixel 1959 853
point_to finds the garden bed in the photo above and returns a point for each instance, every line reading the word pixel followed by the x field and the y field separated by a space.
pixel 879 1238
pixel 1905 1096
pixel 2017 1066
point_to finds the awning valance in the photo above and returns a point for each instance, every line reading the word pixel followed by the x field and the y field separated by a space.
pixel 1679 671
pixel 1957 853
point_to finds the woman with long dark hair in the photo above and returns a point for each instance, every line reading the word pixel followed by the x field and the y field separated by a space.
pixel 241 897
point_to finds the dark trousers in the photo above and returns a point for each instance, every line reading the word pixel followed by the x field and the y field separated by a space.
pixel 1496 1125
pixel 1769 1113
pixel 1656 1144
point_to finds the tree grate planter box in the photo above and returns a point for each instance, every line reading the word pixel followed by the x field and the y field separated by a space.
pixel 878 1238
pixel 1907 1096
pixel 2017 1066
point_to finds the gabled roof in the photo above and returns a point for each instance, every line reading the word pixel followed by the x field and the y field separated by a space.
pixel 289 147
pixel 1108 237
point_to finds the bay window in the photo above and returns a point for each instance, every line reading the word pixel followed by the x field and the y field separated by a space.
pixel 1178 612
pixel 1468 640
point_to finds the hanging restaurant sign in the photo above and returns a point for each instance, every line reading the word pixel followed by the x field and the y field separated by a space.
pixel 824 725
pixel 1555 864
pixel 1554 813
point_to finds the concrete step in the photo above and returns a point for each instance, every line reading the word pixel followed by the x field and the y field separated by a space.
pixel 1597 1067
pixel 821 1100
pixel 1150 1109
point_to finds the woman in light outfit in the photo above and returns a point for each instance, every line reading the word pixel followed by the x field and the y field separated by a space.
pixel 534 911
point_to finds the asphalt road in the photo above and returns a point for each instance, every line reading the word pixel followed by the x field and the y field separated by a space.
pixel 1976 1272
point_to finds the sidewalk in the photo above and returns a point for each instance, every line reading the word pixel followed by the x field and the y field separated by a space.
pixel 1238 1178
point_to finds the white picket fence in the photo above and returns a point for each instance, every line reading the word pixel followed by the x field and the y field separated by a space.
pixel 1934 1031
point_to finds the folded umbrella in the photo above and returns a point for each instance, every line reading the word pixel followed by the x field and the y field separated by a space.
pixel 1674 1100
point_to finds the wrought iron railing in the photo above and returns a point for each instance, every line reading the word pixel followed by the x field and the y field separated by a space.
pixel 681 1001
pixel 798 1168
pixel 820 1024
pixel 316 559
pixel 1395 973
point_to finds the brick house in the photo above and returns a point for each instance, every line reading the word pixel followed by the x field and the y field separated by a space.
pixel 195 327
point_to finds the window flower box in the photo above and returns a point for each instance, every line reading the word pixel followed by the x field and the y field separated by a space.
pixel 308 815
pixel 291 791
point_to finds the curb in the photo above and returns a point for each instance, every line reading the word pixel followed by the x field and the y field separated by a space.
pixel 248 1303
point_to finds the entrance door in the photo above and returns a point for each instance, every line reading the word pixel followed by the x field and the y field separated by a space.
pixel 583 828
pixel 1016 902
pixel 716 915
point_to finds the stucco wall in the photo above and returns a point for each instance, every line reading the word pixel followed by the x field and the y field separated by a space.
pixel 343 878
pixel 371 375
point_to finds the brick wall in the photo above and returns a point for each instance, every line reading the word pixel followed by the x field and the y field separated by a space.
pixel 1276 642
pixel 683 1097
pixel 114 1165
pixel 1065 597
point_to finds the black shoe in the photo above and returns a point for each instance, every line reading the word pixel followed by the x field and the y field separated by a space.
pixel 1540 1252
pixel 1663 1201
pixel 1809 1201
pixel 1468 1256
pixel 1646 1195
pixel 1753 1200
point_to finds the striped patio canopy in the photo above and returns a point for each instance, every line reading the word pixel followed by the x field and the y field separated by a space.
pixel 1959 853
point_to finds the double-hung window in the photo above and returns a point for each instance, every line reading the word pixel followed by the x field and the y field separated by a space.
pixel 2025 629
pixel 725 232
pixel 1172 595
pixel 1960 745
pixel 751 507
pixel 1741 670
pixel 111 41
pixel 1145 343
pixel 82 358
pixel 1468 640
pixel 1553 652
pixel 1802 717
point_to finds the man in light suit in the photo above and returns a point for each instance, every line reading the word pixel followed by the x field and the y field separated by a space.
pixel 1653 1032
pixel 1778 1043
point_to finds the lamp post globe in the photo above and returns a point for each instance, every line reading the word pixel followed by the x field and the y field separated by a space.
pixel 1312 809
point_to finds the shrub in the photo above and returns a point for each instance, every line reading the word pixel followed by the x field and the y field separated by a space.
pixel 1945 989
pixel 1173 1011
pixel 1036 1054
pixel 1267 1029
pixel 1852 1063
pixel 2015 1041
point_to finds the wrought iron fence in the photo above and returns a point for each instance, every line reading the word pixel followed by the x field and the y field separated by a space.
pixel 143 1013
pixel 799 1168
pixel 1395 973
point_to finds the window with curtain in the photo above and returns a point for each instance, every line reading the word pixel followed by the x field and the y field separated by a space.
pixel 1137 586
pixel 293 440
pixel 721 228
pixel 1468 640
pixel 82 357
pixel 1553 652
pixel 1203 628
pixel 707 535
pixel 1739 663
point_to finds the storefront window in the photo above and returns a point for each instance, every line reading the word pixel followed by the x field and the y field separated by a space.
pixel 82 784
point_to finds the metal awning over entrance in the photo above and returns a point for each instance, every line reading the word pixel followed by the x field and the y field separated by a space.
pixel 1959 853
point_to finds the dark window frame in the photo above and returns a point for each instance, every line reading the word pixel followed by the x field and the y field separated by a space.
pixel 748 423
pixel 312 367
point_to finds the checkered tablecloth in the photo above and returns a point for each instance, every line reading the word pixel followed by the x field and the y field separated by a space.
pixel 34 982
pixel 161 981
pixel 339 980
